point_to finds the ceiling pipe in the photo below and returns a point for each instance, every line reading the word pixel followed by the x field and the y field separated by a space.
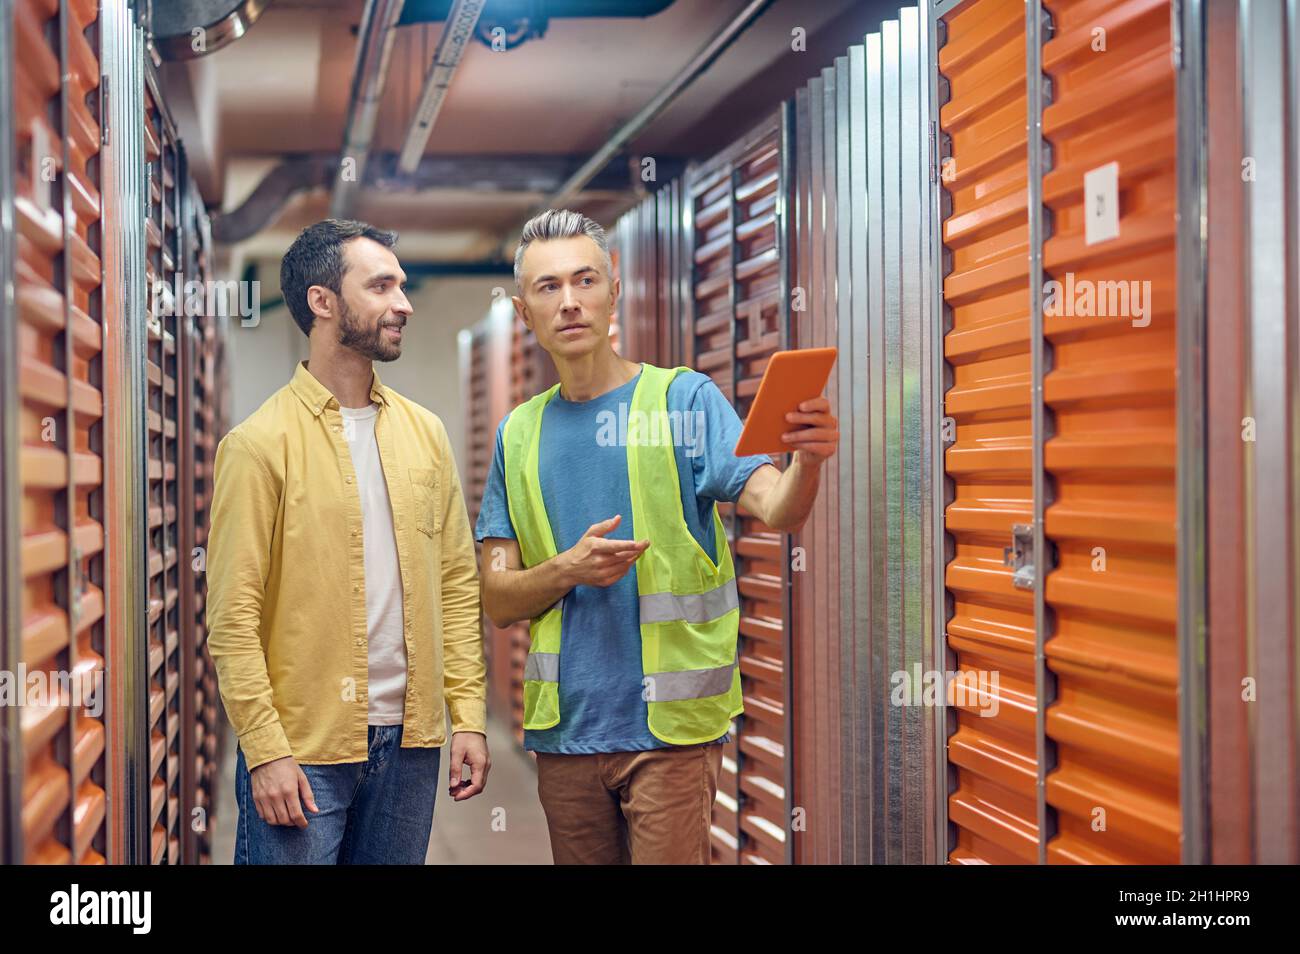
pixel 369 77
pixel 701 61
pixel 456 36
pixel 475 173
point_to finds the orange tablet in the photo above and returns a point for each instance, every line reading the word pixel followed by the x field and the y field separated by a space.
pixel 791 378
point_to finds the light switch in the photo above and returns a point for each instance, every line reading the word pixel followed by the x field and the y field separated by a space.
pixel 1101 204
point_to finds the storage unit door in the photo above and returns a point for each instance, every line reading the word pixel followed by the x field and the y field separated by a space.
pixel 1065 580
pixel 163 463
pixel 1111 447
pixel 52 341
pixel 737 319
pixel 986 299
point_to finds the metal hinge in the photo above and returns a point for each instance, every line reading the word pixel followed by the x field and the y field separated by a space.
pixel 103 109
pixel 1020 556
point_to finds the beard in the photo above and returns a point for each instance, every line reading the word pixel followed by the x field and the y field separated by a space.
pixel 369 342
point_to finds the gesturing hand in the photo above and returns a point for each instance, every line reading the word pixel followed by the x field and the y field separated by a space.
pixel 595 561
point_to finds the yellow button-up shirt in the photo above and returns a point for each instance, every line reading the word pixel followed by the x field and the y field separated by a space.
pixel 286 579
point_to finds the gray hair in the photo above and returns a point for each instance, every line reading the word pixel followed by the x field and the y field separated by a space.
pixel 560 224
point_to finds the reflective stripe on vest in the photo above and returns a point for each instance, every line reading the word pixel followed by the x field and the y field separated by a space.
pixel 689 604
pixel 691 607
pixel 544 667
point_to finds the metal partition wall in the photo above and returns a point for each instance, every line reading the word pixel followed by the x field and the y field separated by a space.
pixel 736 316
pixel 1075 429
pixel 124 349
pixel 867 771
pixel 1252 61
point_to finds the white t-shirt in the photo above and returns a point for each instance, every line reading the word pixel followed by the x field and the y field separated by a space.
pixel 387 645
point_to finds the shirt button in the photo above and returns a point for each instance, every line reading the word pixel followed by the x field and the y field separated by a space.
pixel 354 532
pixel 361 642
pixel 316 410
pixel 347 480
pixel 356 587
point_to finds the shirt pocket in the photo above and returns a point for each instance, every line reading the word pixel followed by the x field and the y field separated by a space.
pixel 428 509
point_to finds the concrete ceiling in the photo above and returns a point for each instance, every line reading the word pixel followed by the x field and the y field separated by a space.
pixel 283 89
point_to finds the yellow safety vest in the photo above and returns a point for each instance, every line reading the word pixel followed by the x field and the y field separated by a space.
pixel 690 609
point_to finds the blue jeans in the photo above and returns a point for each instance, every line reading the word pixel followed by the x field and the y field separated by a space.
pixel 376 812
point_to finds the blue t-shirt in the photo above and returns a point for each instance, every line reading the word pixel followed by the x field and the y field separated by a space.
pixel 583 473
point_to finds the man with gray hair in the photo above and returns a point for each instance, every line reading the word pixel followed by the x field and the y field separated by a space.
pixel 631 680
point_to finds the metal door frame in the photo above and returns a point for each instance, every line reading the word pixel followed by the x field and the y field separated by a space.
pixel 122 52
pixel 1192 238
pixel 10 484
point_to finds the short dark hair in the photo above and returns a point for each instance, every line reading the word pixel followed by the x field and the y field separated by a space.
pixel 316 258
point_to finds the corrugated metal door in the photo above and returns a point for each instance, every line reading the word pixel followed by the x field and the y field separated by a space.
pixel 162 417
pixel 55 574
pixel 202 428
pixel 1065 573
pixel 981 64
pixel 647 246
pixel 815 580
pixel 867 769
pixel 1113 594
pixel 738 320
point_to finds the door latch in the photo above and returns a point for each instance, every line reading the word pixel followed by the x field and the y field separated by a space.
pixel 1020 556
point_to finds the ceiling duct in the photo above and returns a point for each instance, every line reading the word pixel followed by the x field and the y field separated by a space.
pixel 521 20
pixel 188 29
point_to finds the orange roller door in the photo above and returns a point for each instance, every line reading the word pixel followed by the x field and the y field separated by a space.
pixel 1111 459
pixel 986 296
pixel 58 340
pixel 86 331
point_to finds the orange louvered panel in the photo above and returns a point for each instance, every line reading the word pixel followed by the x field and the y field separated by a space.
pixel 86 331
pixel 1112 457
pixel 986 294
pixel 59 339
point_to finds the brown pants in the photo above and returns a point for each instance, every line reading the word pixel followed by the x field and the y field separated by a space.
pixel 647 808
